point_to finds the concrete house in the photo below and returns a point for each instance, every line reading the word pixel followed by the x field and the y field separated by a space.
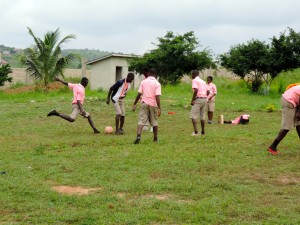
pixel 106 70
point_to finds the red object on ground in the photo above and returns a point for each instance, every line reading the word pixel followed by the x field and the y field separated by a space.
pixel 171 113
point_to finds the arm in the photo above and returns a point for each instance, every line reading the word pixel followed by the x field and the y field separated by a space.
pixel 194 96
pixel 61 81
pixel 136 100
pixel 298 112
pixel 108 96
pixel 80 108
pixel 157 97
pixel 213 95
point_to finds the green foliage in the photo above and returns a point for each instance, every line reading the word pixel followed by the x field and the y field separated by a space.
pixel 174 56
pixel 270 108
pixel 284 79
pixel 248 60
pixel 44 61
pixel 262 62
pixel 4 71
pixel 284 52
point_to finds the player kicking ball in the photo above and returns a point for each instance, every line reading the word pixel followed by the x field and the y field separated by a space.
pixel 78 99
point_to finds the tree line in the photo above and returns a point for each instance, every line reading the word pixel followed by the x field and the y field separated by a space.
pixel 175 55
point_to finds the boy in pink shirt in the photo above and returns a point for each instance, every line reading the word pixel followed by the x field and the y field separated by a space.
pixel 290 102
pixel 198 102
pixel 77 102
pixel 211 98
pixel 150 91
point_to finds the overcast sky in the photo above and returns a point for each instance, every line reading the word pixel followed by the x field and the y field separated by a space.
pixel 131 26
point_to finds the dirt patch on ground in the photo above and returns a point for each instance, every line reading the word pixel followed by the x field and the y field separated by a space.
pixel 288 180
pixel 52 86
pixel 69 190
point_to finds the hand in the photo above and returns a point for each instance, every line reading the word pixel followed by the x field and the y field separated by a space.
pixel 158 112
pixel 133 108
pixel 83 113
pixel 107 101
pixel 192 102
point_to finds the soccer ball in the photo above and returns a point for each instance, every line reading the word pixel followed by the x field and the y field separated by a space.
pixel 108 130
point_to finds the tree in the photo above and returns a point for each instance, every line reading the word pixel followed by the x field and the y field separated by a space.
pixel 44 61
pixel 174 56
pixel 4 71
pixel 284 53
pixel 249 60
pixel 262 62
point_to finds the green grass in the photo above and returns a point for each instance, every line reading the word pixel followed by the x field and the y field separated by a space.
pixel 224 177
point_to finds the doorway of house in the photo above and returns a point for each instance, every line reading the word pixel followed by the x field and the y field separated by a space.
pixel 118 73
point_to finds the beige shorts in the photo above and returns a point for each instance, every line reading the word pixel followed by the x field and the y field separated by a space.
pixel 76 111
pixel 148 114
pixel 198 109
pixel 288 121
pixel 210 106
pixel 120 107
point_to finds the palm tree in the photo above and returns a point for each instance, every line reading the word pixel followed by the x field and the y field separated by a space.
pixel 44 60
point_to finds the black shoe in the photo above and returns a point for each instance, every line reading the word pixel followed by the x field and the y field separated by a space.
pixel 52 113
pixel 137 140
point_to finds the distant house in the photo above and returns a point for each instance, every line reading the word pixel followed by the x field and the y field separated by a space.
pixel 105 71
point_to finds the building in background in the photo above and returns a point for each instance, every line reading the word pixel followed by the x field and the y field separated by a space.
pixel 106 70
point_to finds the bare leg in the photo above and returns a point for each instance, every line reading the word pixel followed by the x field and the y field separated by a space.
pixel 66 117
pixel 194 121
pixel 298 130
pixel 92 125
pixel 122 120
pixel 138 134
pixel 202 126
pixel 155 131
pixel 210 116
pixel 282 133
pixel 117 122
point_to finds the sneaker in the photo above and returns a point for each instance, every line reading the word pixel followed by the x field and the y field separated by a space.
pixel 52 113
pixel 137 140
pixel 209 122
pixel 121 131
pixel 194 134
pixel 273 152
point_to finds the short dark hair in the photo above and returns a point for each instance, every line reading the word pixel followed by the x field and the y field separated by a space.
pixel 210 77
pixel 145 70
pixel 130 75
pixel 152 71
pixel 84 79
pixel 195 72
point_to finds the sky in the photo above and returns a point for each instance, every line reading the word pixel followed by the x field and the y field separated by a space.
pixel 133 26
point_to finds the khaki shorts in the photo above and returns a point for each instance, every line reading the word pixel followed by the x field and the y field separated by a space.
pixel 198 109
pixel 288 121
pixel 147 113
pixel 76 111
pixel 210 106
pixel 120 107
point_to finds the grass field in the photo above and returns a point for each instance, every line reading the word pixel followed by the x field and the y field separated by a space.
pixel 224 177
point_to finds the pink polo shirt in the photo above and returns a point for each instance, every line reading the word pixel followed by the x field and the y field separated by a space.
pixel 292 95
pixel 212 90
pixel 200 84
pixel 78 92
pixel 150 88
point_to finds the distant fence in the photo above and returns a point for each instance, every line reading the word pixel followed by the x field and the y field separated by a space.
pixel 19 75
